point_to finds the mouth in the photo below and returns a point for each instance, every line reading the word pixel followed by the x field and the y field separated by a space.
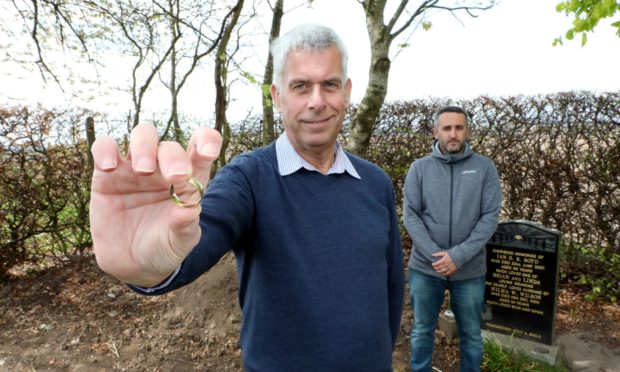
pixel 316 121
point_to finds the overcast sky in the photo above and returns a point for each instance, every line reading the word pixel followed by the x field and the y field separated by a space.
pixel 505 51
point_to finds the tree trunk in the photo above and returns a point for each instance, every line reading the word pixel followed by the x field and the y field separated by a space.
pixel 381 37
pixel 363 121
pixel 221 78
pixel 268 117
pixel 90 139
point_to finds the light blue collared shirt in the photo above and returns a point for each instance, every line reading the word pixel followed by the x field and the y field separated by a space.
pixel 289 161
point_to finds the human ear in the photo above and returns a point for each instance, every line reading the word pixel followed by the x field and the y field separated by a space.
pixel 348 86
pixel 275 97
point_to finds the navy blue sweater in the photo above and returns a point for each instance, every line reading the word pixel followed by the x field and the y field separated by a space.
pixel 319 260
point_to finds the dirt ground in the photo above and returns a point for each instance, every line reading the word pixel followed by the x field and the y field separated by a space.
pixel 78 319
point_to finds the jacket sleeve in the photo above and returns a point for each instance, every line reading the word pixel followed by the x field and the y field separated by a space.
pixel 424 245
pixel 490 206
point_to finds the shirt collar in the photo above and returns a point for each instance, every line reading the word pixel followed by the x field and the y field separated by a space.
pixel 289 161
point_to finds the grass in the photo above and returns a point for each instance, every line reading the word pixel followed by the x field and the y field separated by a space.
pixel 496 359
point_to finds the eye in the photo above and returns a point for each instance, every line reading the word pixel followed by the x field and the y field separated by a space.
pixel 331 85
pixel 299 87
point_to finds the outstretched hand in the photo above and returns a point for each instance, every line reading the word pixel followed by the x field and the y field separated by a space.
pixel 139 234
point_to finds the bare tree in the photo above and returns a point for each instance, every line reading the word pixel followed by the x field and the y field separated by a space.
pixel 199 40
pixel 140 27
pixel 381 37
pixel 221 79
pixel 48 24
pixel 173 86
pixel 153 35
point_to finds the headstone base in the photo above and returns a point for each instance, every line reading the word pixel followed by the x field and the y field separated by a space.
pixel 532 349
pixel 447 325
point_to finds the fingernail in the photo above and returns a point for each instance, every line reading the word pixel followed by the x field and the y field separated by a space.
pixel 145 165
pixel 108 163
pixel 178 168
pixel 210 149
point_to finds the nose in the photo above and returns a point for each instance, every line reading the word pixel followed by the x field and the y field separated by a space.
pixel 316 99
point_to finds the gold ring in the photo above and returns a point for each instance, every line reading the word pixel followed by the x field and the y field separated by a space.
pixel 175 198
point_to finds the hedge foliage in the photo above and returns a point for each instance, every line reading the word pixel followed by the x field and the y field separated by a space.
pixel 558 157
pixel 44 188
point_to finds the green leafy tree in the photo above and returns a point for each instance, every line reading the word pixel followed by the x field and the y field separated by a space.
pixel 588 13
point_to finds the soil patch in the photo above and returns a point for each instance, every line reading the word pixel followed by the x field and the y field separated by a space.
pixel 76 318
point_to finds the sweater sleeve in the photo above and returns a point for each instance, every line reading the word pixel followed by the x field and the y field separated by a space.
pixel 490 206
pixel 425 246
pixel 396 276
pixel 227 210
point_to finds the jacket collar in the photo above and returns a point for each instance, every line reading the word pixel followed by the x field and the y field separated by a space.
pixel 451 158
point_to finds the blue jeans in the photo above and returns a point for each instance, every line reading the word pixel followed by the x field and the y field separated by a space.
pixel 466 301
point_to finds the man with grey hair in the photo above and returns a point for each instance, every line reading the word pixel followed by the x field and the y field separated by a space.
pixel 451 205
pixel 313 228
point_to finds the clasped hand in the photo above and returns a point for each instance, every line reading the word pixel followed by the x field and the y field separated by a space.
pixel 444 266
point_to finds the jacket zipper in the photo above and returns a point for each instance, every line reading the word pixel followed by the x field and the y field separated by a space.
pixel 451 201
pixel 450 217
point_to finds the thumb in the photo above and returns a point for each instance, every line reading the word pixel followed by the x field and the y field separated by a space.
pixel 184 232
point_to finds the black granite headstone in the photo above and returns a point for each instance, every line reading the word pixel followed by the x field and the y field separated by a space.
pixel 521 281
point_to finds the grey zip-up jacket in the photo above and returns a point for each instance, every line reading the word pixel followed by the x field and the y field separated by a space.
pixel 451 203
